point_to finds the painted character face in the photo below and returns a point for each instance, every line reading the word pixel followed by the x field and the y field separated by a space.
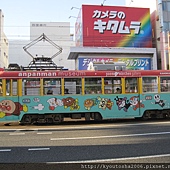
pixel 157 98
pixel 88 103
pixel 103 103
pixel 68 101
pixel 7 106
pixel 52 103
pixel 134 101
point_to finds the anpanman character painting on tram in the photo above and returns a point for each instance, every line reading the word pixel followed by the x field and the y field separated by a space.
pixel 54 102
pixel 71 102
pixel 101 103
pixel 9 108
pixel 89 103
pixel 136 103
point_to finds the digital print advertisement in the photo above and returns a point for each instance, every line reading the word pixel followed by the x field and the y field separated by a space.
pixel 131 63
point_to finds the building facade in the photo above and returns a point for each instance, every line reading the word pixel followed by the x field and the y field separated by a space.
pixel 4 45
pixel 162 19
pixel 114 34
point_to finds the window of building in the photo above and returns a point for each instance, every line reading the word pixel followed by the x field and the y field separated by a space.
pixel 112 85
pixel 166 5
pixel 150 84
pixel 166 25
pixel 93 86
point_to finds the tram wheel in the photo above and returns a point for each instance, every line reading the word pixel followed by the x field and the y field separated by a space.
pixel 166 115
pixel 58 118
pixel 27 119
pixel 97 117
pixel 87 116
pixel 146 116
pixel 49 120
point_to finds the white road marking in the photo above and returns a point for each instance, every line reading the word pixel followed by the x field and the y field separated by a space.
pixel 115 159
pixel 5 150
pixel 38 149
pixel 44 133
pixel 114 136
pixel 17 133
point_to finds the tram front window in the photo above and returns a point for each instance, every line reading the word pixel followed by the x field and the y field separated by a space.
pixel 31 86
pixel 11 87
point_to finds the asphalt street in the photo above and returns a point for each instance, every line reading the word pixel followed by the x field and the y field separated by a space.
pixel 120 142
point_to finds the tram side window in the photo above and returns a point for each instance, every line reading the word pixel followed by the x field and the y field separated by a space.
pixel 31 86
pixel 150 84
pixel 52 86
pixel 72 85
pixel 11 87
pixel 112 85
pixel 131 85
pixel 93 86
pixel 165 84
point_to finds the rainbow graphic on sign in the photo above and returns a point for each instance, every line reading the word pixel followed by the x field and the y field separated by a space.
pixel 141 40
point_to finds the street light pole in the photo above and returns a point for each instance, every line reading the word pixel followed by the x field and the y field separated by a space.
pixel 74 8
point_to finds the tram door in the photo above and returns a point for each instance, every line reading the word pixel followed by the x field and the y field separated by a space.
pixel 11 102
pixel 132 91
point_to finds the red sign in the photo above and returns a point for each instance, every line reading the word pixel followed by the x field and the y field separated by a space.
pixel 112 26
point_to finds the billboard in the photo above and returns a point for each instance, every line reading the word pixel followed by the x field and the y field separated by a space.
pixel 114 26
pixel 131 63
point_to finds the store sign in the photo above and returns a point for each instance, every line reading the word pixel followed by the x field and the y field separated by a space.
pixel 113 26
pixel 131 63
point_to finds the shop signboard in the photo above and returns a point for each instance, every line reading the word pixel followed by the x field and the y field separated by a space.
pixel 115 26
pixel 131 63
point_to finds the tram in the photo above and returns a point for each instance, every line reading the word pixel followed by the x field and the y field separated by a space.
pixel 51 96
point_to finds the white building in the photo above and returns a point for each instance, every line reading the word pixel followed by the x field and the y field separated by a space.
pixel 144 4
pixel 3 44
pixel 58 32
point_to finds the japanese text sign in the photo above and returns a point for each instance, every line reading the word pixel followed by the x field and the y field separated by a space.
pixel 113 26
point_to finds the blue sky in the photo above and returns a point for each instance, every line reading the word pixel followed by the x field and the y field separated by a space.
pixel 19 13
